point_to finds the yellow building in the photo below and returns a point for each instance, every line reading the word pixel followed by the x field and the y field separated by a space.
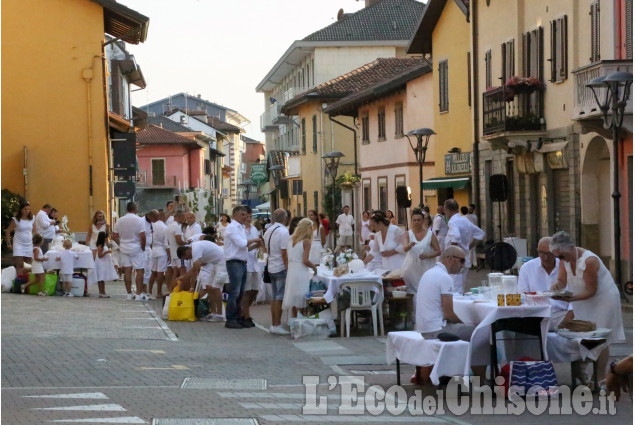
pixel 55 126
pixel 444 34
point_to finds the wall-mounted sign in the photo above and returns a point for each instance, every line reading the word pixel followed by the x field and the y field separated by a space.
pixel 557 160
pixel 458 163
pixel 258 173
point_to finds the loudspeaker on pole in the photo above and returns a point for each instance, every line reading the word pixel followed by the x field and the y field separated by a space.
pixel 498 187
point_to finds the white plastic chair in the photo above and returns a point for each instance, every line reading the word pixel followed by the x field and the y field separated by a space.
pixel 365 295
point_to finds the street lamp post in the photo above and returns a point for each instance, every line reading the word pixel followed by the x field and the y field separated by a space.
pixel 331 162
pixel 611 93
pixel 276 170
pixel 420 152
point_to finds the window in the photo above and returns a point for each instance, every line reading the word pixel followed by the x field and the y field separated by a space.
pixel 559 50
pixel 316 201
pixel 381 124
pixel 208 166
pixel 314 134
pixel 507 60
pixel 158 172
pixel 303 135
pixel 532 54
pixel 365 129
pixel 367 194
pixel 628 9
pixel 488 69
pixel 469 79
pixel 401 212
pixel 595 31
pixel 382 185
pixel 511 201
pixel 444 99
pixel 304 204
pixel 398 119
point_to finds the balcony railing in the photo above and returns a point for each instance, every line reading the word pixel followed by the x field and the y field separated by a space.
pixel 144 180
pixel 293 92
pixel 584 106
pixel 504 110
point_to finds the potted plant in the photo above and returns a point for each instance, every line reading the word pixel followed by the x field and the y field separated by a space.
pixel 523 85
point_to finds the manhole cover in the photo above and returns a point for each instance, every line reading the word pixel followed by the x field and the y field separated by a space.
pixel 224 384
pixel 218 421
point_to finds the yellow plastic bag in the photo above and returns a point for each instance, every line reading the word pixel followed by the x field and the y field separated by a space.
pixel 182 305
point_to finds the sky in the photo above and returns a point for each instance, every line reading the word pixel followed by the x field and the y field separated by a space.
pixel 223 49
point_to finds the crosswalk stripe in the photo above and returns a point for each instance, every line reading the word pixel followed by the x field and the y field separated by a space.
pixel 121 420
pixel 89 407
pixel 93 396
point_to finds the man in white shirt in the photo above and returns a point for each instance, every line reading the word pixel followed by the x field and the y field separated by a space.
pixel 345 224
pixel 159 254
pixel 464 234
pixel 236 251
pixel 150 218
pixel 193 228
pixel 440 228
pixel 205 255
pixel 130 235
pixel 253 271
pixel 175 240
pixel 169 212
pixel 538 275
pixel 44 225
pixel 276 240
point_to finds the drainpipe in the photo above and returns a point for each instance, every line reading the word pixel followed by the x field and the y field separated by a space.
pixel 87 75
pixel 354 140
pixel 476 187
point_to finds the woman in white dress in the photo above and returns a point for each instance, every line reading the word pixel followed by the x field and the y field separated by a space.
pixel 222 226
pixel 422 248
pixel 104 266
pixel 22 242
pixel 364 229
pixel 299 269
pixel 388 244
pixel 595 295
pixel 318 239
pixel 97 225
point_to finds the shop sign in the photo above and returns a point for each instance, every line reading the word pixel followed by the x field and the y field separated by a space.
pixel 458 163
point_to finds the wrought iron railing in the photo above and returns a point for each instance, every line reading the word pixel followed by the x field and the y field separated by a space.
pixel 505 110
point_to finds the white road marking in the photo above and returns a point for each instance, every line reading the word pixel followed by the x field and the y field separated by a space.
pixel 125 350
pixel 121 420
pixel 88 408
pixel 93 396
pixel 173 367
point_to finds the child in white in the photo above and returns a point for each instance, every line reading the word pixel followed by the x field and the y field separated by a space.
pixel 104 266
pixel 67 258
pixel 160 251
pixel 36 266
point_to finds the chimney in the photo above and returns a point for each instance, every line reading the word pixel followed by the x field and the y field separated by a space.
pixel 371 2
pixel 198 95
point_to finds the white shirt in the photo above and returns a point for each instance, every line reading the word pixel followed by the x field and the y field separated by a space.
pixel 43 225
pixel 432 285
pixel 439 226
pixel 129 228
pixel 208 252
pixel 169 220
pixel 174 230
pixel 275 243
pixel 235 242
pixel 534 278
pixel 67 260
pixel 191 230
pixel 462 232
pixel 159 239
pixel 149 232
pixel 252 256
pixel 346 224
pixel 472 217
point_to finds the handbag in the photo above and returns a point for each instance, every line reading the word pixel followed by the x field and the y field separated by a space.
pixel 532 378
pixel 316 285
pixel 181 306
pixel 266 277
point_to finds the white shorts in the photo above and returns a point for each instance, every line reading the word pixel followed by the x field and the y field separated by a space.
pixel 207 277
pixel 66 277
pixel 253 281
pixel 160 264
pixel 176 262
pixel 137 261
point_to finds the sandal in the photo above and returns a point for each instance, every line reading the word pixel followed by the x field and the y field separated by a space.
pixel 104 296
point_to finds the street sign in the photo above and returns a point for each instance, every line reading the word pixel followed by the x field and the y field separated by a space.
pixel 258 173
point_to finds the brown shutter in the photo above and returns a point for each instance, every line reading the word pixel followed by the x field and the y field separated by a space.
pixel 628 6
pixel 525 55
pixel 488 69
pixel 469 79
pixel 503 63
pixel 564 71
pixel 595 31
pixel 540 53
pixel 553 59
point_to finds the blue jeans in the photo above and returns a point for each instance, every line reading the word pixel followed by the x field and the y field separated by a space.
pixel 237 272
pixel 277 284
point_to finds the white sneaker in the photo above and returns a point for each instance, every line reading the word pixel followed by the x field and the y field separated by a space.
pixel 130 296
pixel 140 297
pixel 70 295
pixel 214 318
pixel 278 330
pixel 149 297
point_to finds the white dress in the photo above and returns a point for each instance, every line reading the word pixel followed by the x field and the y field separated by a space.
pixel 604 307
pixel 23 238
pixel 298 277
pixel 221 231
pixel 36 266
pixel 393 241
pixel 315 255
pixel 94 234
pixel 412 266
pixel 105 268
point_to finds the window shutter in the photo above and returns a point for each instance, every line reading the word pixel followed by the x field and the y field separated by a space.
pixel 525 58
pixel 553 59
pixel 628 6
pixel 595 31
pixel 469 79
pixel 503 63
pixel 564 70
pixel 488 69
pixel 303 135
pixel 444 102
pixel 158 172
pixel 314 133
pixel 540 54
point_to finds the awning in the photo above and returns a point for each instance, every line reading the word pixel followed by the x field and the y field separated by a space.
pixel 264 206
pixel 445 183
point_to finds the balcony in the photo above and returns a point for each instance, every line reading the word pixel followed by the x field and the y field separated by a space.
pixel 584 105
pixel 157 182
pixel 293 92
pixel 507 115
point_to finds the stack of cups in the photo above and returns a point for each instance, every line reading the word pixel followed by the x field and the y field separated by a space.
pixel 510 287
pixel 495 281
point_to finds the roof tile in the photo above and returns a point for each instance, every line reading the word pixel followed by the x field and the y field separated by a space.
pixel 155 135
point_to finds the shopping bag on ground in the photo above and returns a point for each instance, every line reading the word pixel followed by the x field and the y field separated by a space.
pixel 536 379
pixel 182 306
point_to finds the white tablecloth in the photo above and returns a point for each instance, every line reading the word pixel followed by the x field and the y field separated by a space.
pixel 487 313
pixel 333 283
pixel 448 358
pixel 566 350
pixel 85 261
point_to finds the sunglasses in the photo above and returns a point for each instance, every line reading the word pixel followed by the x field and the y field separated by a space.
pixel 461 260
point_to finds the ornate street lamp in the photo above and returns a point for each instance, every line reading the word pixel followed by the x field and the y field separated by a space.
pixel 611 93
pixel 276 172
pixel 331 162
pixel 420 152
